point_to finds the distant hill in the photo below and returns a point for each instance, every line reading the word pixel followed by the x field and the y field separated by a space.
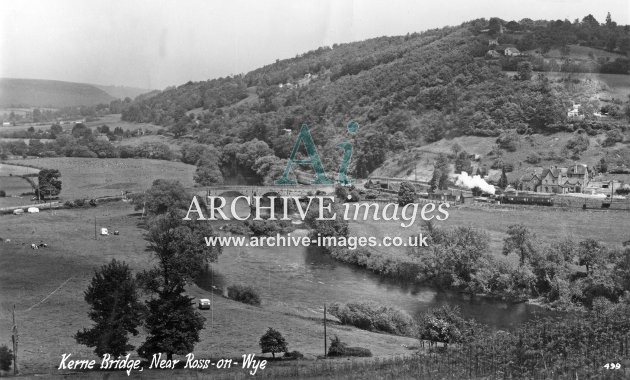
pixel 49 93
pixel 409 91
pixel 122 92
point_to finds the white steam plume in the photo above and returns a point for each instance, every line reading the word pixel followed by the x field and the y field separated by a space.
pixel 464 180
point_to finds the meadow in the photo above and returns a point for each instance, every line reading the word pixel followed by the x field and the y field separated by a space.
pixel 98 177
pixel 46 286
pixel 549 224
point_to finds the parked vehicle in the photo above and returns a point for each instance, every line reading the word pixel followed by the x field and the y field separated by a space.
pixel 204 303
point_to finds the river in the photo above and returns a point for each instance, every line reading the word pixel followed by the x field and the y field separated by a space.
pixel 307 277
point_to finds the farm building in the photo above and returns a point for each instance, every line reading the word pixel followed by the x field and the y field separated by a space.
pixel 511 51
pixel 573 179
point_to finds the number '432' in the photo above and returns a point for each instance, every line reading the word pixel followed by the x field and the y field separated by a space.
pixel 612 365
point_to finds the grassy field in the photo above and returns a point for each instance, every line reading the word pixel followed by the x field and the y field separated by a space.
pixel 174 145
pixel 47 286
pixel 607 227
pixel 97 177
pixel 112 121
pixel 14 185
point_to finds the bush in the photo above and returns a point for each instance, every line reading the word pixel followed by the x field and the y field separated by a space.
pixel 508 141
pixel 244 294
pixel 354 196
pixel 533 158
pixel 6 358
pixel 269 227
pixel 612 137
pixel 3 193
pixel 338 348
pixel 68 204
pixel 406 193
pixel 341 192
pixel 237 228
pixel 79 202
pixel 373 317
pixel 293 355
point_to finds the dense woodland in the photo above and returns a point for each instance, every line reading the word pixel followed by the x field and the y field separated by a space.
pixel 403 91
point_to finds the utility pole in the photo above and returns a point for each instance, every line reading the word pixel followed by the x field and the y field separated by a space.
pixel 14 338
pixel 325 340
pixel 95 227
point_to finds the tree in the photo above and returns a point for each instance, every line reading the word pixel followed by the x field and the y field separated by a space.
pixel 272 341
pixel 55 130
pixel 269 168
pixel 6 358
pixel 495 25
pixel 603 166
pixel 173 326
pixel 177 246
pixel 172 323
pixel 439 180
pixel 521 241
pixel 590 254
pixel 443 324
pixel 208 173
pixel 163 196
pixel 463 163
pixel 508 141
pixel 48 183
pixel 81 131
pixel 524 70
pixel 503 181
pixel 115 309
pixel 406 193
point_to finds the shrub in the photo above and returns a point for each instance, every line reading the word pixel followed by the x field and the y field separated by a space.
pixel 237 228
pixel 268 227
pixel 373 317
pixel 79 202
pixel 6 357
pixel 533 158
pixel 3 193
pixel 612 137
pixel 508 141
pixel 338 348
pixel 341 192
pixel 293 355
pixel 68 204
pixel 406 193
pixel 354 196
pixel 245 294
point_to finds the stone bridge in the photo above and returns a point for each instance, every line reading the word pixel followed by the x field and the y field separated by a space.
pixel 267 190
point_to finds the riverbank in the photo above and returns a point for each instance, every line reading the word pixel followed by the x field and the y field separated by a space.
pixel 483 270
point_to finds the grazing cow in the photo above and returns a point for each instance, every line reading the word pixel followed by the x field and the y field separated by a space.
pixel 33 246
pixel 42 245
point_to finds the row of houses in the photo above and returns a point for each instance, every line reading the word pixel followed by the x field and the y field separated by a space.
pixel 558 180
pixel 565 180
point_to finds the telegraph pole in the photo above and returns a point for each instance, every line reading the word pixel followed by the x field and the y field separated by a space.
pixel 95 227
pixel 325 341
pixel 14 338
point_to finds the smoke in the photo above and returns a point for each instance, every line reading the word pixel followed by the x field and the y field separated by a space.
pixel 464 180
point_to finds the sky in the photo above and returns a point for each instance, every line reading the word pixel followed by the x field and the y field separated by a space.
pixel 159 43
